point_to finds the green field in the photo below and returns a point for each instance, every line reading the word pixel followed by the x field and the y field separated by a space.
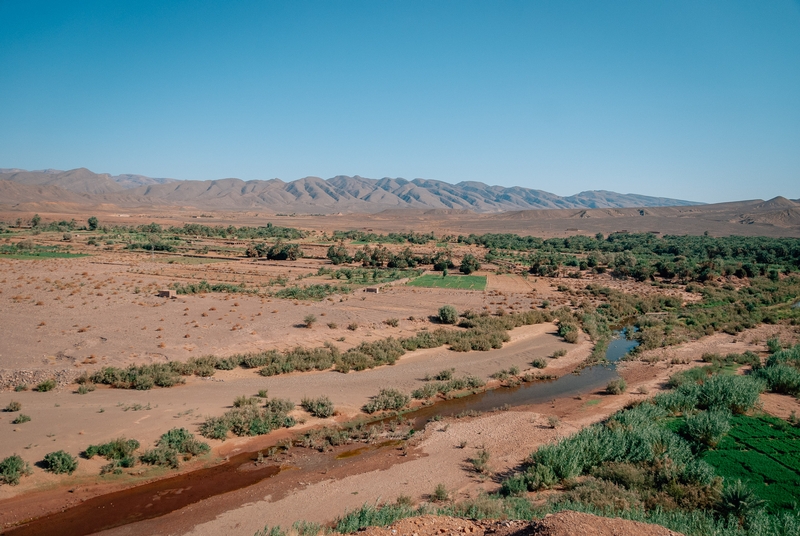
pixel 467 282
pixel 764 452
pixel 41 255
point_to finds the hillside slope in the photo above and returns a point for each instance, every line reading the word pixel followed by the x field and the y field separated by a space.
pixel 313 194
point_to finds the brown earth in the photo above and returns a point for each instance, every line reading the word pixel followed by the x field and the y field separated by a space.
pixel 561 524
pixel 436 456
pixel 746 218
pixel 66 316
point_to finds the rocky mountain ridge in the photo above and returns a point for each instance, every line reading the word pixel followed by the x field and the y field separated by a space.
pixel 310 194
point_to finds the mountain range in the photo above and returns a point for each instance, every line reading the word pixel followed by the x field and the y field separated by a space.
pixel 309 194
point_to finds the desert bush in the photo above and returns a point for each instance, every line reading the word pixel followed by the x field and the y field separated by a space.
pixel 162 456
pixel 13 406
pixel 12 469
pixel 352 326
pixel 60 462
pixel 559 353
pixel 47 385
pixel 117 449
pixel 85 388
pixel 143 377
pixel 21 387
pixel 393 322
pixel 21 418
pixel 616 387
pixel 309 320
pixel 448 314
pixel 539 363
pixel 242 400
pixel 321 407
pixel 429 390
pixel 387 399
pixel 180 440
pixel 568 331
pixel 250 420
pixel 440 493
pixel 481 462
pixel 707 427
pixel 444 375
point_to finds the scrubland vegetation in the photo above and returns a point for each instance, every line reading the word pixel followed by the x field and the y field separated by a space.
pixel 699 459
pixel 476 333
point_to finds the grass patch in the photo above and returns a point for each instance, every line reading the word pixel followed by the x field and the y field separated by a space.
pixel 465 282
pixel 764 452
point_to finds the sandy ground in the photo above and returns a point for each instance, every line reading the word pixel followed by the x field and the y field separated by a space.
pixel 75 315
pixel 65 420
pixel 718 220
pixel 509 436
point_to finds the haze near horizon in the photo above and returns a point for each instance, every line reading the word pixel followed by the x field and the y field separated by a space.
pixel 671 99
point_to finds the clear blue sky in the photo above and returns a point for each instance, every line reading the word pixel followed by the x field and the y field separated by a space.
pixel 696 100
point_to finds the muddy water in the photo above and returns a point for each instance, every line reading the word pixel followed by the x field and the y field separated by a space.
pixel 167 495
pixel 588 380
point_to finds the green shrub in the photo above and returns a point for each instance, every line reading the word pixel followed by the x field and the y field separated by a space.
pixel 559 353
pixel 616 387
pixel 21 418
pixel 118 449
pixel 47 385
pixel 21 387
pixel 387 399
pixel 12 469
pixel 242 400
pixel 321 407
pixel 781 378
pixel 13 406
pixel 373 516
pixel 162 455
pixel 429 390
pixel 738 394
pixel 60 462
pixel 539 363
pixel 180 440
pixel 85 388
pixel 774 345
pixel 448 314
pixel 738 500
pixel 440 493
pixel 481 462
pixel 707 427
pixel 568 331
pixel 309 320
pixel 249 420
pixel 681 400
pixel 445 375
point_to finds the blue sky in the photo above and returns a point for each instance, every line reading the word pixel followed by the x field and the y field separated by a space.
pixel 695 100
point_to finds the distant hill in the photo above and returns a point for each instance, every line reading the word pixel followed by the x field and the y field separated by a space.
pixel 313 194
